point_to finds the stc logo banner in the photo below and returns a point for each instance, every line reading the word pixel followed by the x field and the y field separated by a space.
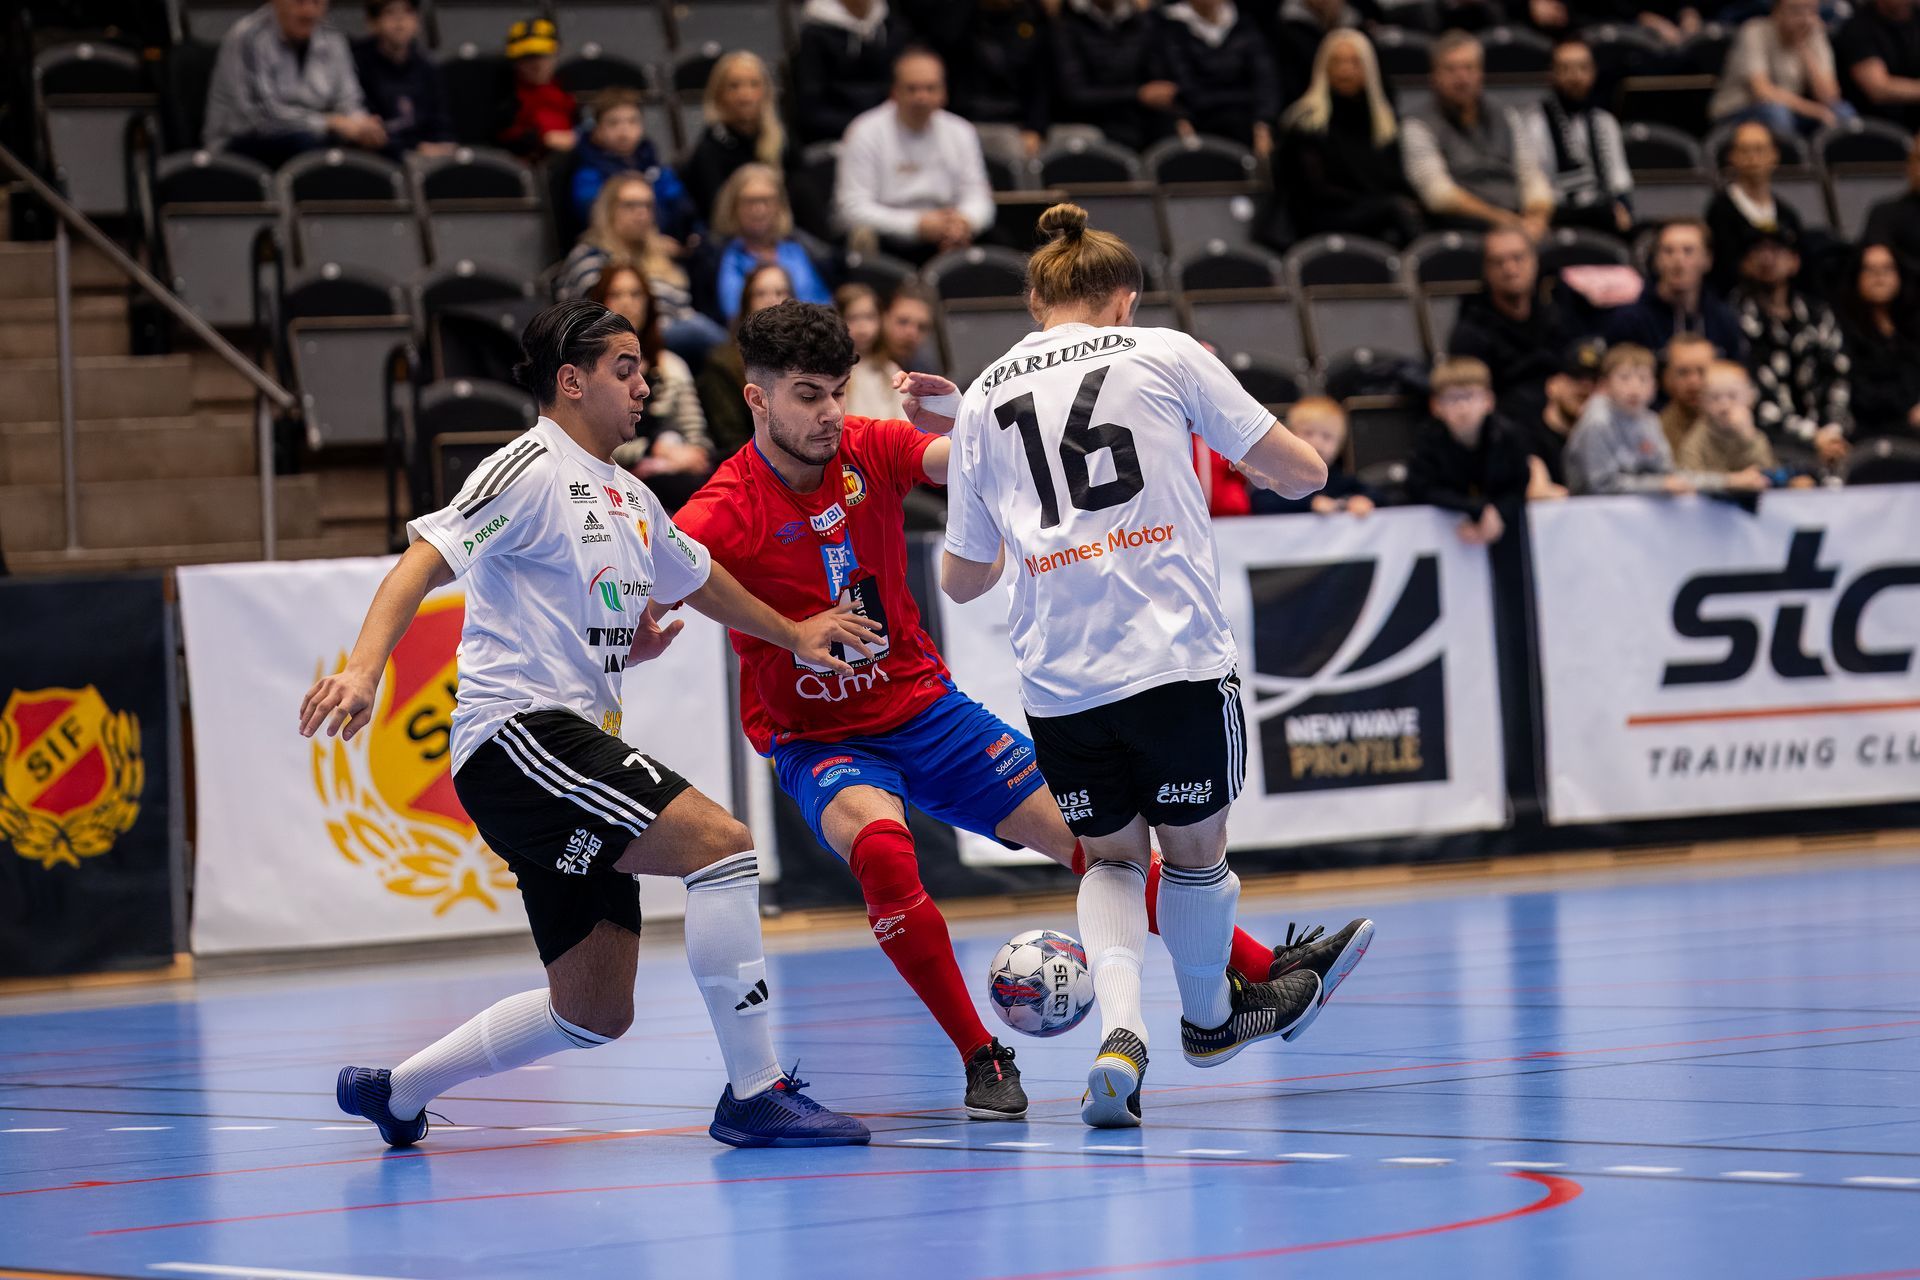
pixel 1697 658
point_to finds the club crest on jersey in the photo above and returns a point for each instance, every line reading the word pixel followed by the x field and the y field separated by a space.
pixel 855 481
pixel 827 521
pixel 640 527
pixel 790 532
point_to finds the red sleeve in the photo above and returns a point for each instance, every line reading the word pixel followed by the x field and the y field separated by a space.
pixel 709 520
pixel 891 451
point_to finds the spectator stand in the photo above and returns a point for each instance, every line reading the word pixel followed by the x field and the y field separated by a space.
pixel 982 306
pixel 1210 189
pixel 1675 89
pixel 1238 302
pixel 438 433
pixel 1670 174
pixel 206 211
pixel 465 293
pixel 352 209
pixel 1107 180
pixel 1865 162
pixel 482 204
pixel 1798 181
pixel 332 329
pixel 1441 270
pixel 1354 294
pixel 88 97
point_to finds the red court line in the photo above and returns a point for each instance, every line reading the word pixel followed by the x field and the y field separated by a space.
pixel 1908 1274
pixel 1772 713
pixel 1775 979
pixel 702 1182
pixel 1559 1191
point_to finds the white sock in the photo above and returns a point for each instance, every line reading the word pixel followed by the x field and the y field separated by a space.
pixel 1196 922
pixel 512 1033
pixel 1113 927
pixel 725 954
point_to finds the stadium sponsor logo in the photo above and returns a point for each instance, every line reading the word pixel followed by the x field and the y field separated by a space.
pixel 71 774
pixel 1117 542
pixel 580 492
pixel 388 795
pixel 1349 685
pixel 577 860
pixel 1093 348
pixel 593 531
pixel 486 531
pixel 1185 792
pixel 1075 806
pixel 790 532
pixel 614 592
pixel 854 481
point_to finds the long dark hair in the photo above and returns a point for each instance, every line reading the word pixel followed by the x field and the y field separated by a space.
pixel 651 343
pixel 1854 313
pixel 575 333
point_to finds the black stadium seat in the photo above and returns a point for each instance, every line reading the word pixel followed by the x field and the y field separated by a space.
pixel 1355 294
pixel 982 271
pixel 88 93
pixel 338 327
pixel 351 208
pixel 483 205
pixel 208 208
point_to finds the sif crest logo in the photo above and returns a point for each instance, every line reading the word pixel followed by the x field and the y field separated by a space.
pixel 1349 683
pixel 72 774
pixel 390 805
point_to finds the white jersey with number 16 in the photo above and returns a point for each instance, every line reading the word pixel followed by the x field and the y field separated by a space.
pixel 1075 450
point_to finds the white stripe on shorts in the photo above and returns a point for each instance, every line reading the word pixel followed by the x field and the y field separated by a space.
pixel 555 785
pixel 613 795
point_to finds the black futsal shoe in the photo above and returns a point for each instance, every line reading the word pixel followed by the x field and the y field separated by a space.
pixel 1261 1010
pixel 993 1084
pixel 1112 1099
pixel 1332 957
pixel 363 1091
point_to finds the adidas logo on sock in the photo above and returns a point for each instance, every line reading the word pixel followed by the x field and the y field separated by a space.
pixel 756 996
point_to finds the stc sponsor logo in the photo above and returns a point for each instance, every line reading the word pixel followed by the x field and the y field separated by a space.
pixel 1349 685
pixel 1118 541
pixel 580 492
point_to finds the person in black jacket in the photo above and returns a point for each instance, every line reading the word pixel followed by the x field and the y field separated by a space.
pixel 1224 72
pixel 1322 423
pixel 1103 68
pixel 1467 458
pixel 1513 326
pixel 999 59
pixel 842 64
pixel 1340 150
pixel 1883 342
pixel 400 82
pixel 743 127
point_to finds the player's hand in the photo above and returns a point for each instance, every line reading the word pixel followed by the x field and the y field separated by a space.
pixel 342 701
pixel 813 639
pixel 650 639
pixel 917 387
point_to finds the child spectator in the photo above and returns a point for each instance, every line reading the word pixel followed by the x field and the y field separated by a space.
pixel 542 119
pixel 615 141
pixel 1725 441
pixel 400 82
pixel 1684 379
pixel 1617 446
pixel 1322 423
pixel 1468 459
pixel 870 392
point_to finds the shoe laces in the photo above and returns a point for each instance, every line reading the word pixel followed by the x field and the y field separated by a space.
pixel 437 1116
pixel 1306 935
pixel 791 1084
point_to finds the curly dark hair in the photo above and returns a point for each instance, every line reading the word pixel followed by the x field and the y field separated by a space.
pixel 574 333
pixel 795 337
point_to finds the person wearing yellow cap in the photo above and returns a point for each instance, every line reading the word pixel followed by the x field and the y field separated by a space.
pixel 543 111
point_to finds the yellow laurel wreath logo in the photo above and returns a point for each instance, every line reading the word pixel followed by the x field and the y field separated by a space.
pixel 72 774
pixel 389 792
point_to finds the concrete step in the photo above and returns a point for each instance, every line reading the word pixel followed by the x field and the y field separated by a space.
pixel 216 383
pixel 202 445
pixel 99 327
pixel 115 559
pixel 140 513
pixel 354 493
pixel 26 269
pixel 104 387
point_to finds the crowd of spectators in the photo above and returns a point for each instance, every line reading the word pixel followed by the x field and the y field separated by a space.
pixel 1594 383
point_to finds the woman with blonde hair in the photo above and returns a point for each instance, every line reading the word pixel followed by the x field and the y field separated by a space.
pixel 623 225
pixel 742 127
pixel 753 226
pixel 1340 149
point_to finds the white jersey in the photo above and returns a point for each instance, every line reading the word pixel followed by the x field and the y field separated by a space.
pixel 1074 449
pixel 561 553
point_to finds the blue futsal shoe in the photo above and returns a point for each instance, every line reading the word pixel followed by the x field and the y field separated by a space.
pixel 363 1091
pixel 782 1116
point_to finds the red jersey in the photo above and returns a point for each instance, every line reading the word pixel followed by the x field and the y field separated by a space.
pixel 802 552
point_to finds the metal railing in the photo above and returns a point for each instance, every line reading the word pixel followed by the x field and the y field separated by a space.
pixel 269 395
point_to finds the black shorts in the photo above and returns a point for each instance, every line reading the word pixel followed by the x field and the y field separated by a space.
pixel 1174 755
pixel 559 800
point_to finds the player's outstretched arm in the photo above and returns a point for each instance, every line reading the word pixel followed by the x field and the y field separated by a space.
pixel 1284 463
pixel 343 701
pixel 963 579
pixel 727 602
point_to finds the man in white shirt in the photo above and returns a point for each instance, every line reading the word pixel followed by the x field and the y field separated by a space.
pixel 911 173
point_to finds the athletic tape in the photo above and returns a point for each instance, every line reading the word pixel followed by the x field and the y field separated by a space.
pixel 947 406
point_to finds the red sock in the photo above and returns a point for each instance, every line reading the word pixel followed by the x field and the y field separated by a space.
pixel 1250 956
pixel 913 933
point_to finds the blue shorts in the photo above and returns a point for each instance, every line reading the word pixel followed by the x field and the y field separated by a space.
pixel 956 761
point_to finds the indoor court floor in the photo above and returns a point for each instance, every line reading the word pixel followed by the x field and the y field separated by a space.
pixel 1685 1071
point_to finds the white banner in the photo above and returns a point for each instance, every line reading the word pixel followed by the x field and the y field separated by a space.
pixel 1367 664
pixel 1697 658
pixel 322 843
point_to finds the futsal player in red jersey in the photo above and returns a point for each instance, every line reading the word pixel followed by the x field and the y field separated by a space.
pixel 808 514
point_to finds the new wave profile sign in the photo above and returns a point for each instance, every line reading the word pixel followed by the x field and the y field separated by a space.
pixel 323 842
pixel 89 823
pixel 1698 658
pixel 1367 676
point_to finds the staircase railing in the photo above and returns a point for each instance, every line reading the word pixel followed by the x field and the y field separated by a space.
pixel 269 395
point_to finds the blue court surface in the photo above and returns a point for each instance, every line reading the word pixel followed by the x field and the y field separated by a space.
pixel 1676 1072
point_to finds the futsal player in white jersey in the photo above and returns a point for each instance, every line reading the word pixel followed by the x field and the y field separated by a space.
pixel 561 552
pixel 1072 456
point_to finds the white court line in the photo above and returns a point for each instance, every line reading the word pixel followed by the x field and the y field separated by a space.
pixel 1640 1168
pixel 1212 1151
pixel 549 1128
pixel 1024 1146
pixel 1311 1155
pixel 61 1129
pixel 241 1128
pixel 443 1130
pixel 1528 1164
pixel 930 1142
pixel 1874 1180
pixel 1131 1151
pixel 1419 1160
pixel 1761 1175
pixel 140 1128
pixel 257 1273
